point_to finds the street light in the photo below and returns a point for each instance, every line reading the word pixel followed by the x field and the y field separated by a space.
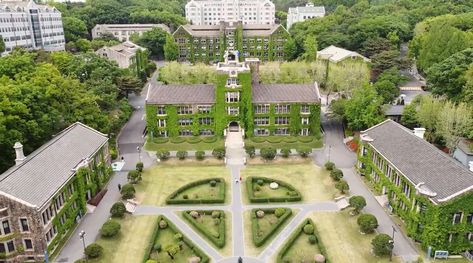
pixel 82 237
pixel 139 153
pixel 391 244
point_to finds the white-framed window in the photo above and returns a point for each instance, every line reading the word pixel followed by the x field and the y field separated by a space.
pixel 261 121
pixel 305 132
pixel 406 189
pixel 261 108
pixel 281 131
pixel 469 218
pixel 6 228
pixel 162 134
pixel 233 110
pixel 185 122
pixel 206 132
pixel 7 247
pixel 281 120
pixel 232 81
pixel 205 121
pixel 161 123
pixel 305 121
pixel 161 110
pixel 28 244
pixel 24 227
pixel 51 234
pixel 457 218
pixel 282 108
pixel 232 97
pixel 205 109
pixel 261 132
pixel 185 133
pixel 469 237
pixel 184 110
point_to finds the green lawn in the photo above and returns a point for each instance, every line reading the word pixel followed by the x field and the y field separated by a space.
pixel 301 250
pixel 204 191
pixel 160 181
pixel 280 142
pixel 131 243
pixel 181 145
pixel 313 182
pixel 266 223
pixel 165 238
pixel 265 191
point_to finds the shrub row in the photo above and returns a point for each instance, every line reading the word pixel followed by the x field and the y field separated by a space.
pixel 203 257
pixel 190 140
pixel 299 231
pixel 279 139
pixel 218 241
pixel 294 196
pixel 218 200
pixel 259 241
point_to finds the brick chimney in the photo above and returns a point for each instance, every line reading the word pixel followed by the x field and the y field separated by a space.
pixel 20 157
pixel 419 132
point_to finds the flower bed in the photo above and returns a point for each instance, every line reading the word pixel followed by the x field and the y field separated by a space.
pixel 284 193
pixel 216 231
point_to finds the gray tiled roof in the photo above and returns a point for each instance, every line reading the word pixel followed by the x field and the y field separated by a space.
pixel 275 93
pixel 46 170
pixel 420 161
pixel 181 94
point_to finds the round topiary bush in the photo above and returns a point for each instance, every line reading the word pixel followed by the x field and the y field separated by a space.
pixel 312 239
pixel 308 229
pixel 257 188
pixel 304 152
pixel 219 153
pixel 342 186
pixel 134 176
pixel 336 174
pixel 278 212
pixel 260 182
pixel 194 214
pixel 357 202
pixel 128 191
pixel 215 214
pixel 200 155
pixel 139 166
pixel 382 245
pixel 250 150
pixel 213 183
pixel 163 224
pixel 285 152
pixel 178 236
pixel 367 223
pixel 260 213
pixel 181 155
pixel 185 196
pixel 163 155
pixel 118 209
pixel 110 229
pixel 268 153
pixel 329 166
pixel 93 250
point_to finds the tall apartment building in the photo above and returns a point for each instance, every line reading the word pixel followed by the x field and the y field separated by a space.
pixel 44 195
pixel 31 26
pixel 123 31
pixel 212 12
pixel 302 13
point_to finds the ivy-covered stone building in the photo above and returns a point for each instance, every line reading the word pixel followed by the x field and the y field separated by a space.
pixel 44 195
pixel 236 101
pixel 208 43
pixel 430 191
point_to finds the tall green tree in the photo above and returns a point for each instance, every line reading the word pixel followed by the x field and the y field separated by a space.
pixel 290 50
pixel 74 28
pixel 454 123
pixel 409 116
pixel 387 90
pixel 171 50
pixel 154 40
pixel 363 110
pixel 310 48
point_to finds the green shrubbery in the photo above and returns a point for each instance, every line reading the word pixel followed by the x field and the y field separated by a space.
pixel 336 174
pixel 308 229
pixel 118 209
pixel 268 153
pixel 134 176
pixel 110 229
pixel 258 239
pixel 367 223
pixel 219 221
pixel 139 166
pixel 181 155
pixel 200 155
pixel 278 212
pixel 342 186
pixel 329 166
pixel 186 200
pixel 357 202
pixel 382 245
pixel 163 155
pixel 219 153
pixel 250 150
pixel 128 191
pixel 93 250
pixel 304 152
pixel 285 152
pixel 252 183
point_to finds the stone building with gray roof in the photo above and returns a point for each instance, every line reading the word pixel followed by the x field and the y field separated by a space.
pixel 44 195
pixel 235 101
pixel 428 189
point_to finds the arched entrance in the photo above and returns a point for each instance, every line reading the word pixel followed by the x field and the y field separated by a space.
pixel 233 126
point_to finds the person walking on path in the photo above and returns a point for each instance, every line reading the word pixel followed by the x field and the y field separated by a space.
pixel 119 187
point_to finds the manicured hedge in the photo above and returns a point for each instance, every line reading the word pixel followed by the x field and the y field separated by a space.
pixel 289 198
pixel 204 258
pixel 300 231
pixel 218 241
pixel 259 241
pixel 218 200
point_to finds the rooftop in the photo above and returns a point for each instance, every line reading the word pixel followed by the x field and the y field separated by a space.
pixel 310 9
pixel 181 94
pixel 214 30
pixel 131 26
pixel 49 168
pixel 127 48
pixel 336 54
pixel 276 93
pixel 22 6
pixel 419 161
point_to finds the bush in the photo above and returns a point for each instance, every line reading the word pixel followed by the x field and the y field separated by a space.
pixel 213 183
pixel 163 155
pixel 312 239
pixel 113 154
pixel 139 166
pixel 177 197
pixel 200 155
pixel 181 155
pixel 260 213
pixel 357 202
pixel 285 152
pixel 219 153
pixel 216 221
pixel 260 182
pixel 163 224
pixel 93 250
pixel 278 212
pixel 268 153
pixel 257 188
pixel 134 176
pixel 215 214
pixel 336 174
pixel 157 247
pixel 118 209
pixel 342 186
pixel 250 150
pixel 110 229
pixel 304 152
pixel 329 166
pixel 382 245
pixel 367 223
pixel 178 236
pixel 308 229
pixel 128 191
pixel 185 197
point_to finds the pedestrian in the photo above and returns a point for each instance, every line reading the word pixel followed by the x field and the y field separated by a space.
pixel 240 178
pixel 123 159
pixel 119 187
pixel 236 181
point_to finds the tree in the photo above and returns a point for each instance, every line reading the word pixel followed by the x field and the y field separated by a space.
pixel 134 176
pixel 93 250
pixel 172 250
pixel 382 245
pixel 363 110
pixel 2 45
pixel 290 50
pixel 367 223
pixel 454 122
pixel 336 174
pixel 310 48
pixel 74 28
pixel 83 45
pixel 171 50
pixel 409 116
pixel 128 84
pixel 118 209
pixel 128 191
pixel 468 90
pixel 154 40
pixel 357 202
pixel 342 186
pixel 268 153
pixel 110 229
pixel 388 59
pixel 387 90
pixel 428 114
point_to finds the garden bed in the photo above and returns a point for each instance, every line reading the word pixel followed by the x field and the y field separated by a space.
pixel 279 142
pixel 259 191
pixel 209 223
pixel 194 143
pixel 266 224
pixel 207 191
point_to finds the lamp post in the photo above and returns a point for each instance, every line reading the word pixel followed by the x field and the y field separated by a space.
pixel 82 237
pixel 391 244
pixel 139 153
pixel 329 149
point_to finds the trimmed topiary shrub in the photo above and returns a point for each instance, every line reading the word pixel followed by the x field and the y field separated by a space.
pixel 308 229
pixel 139 166
pixel 118 209
pixel 194 214
pixel 312 239
pixel 342 186
pixel 336 174
pixel 110 229
pixel 357 202
pixel 278 212
pixel 367 223
pixel 252 186
pixel 181 155
pixel 93 250
pixel 200 155
pixel 128 191
pixel 178 236
pixel 258 235
pixel 219 153
pixel 285 152
pixel 382 245
pixel 260 182
pixel 134 176
pixel 250 150
pixel 163 224
pixel 268 153
pixel 304 152
pixel 213 183
pixel 163 155
pixel 329 166
pixel 215 214
pixel 260 213
pixel 185 196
